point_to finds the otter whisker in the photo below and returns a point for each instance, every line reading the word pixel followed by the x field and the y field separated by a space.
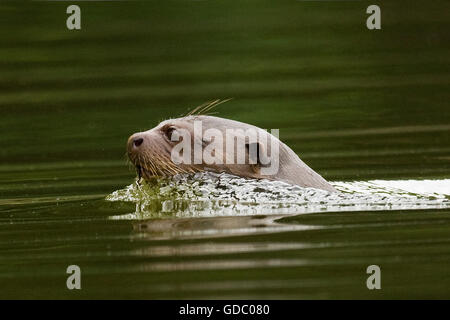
pixel 167 166
pixel 148 161
pixel 205 107
pixel 171 166
pixel 154 166
pixel 193 111
pixel 144 168
pixel 160 165
pixel 213 105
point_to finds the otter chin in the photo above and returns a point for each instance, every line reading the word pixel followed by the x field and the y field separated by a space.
pixel 197 143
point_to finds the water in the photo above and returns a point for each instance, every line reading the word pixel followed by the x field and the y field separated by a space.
pixel 367 110
pixel 210 194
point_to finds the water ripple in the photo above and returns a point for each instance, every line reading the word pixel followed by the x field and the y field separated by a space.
pixel 208 194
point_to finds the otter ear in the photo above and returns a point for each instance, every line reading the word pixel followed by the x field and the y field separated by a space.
pixel 256 156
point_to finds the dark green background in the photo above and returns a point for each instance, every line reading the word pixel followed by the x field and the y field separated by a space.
pixel 355 104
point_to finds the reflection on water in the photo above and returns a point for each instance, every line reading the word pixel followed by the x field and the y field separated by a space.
pixel 223 248
pixel 209 194
pixel 188 228
pixel 222 264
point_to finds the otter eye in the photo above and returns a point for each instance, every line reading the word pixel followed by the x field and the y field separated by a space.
pixel 169 131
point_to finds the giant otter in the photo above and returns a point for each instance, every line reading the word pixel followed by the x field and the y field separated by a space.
pixel 152 152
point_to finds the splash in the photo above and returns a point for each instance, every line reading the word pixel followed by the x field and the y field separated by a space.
pixel 208 194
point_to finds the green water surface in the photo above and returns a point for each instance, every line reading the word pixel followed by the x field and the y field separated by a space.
pixel 355 104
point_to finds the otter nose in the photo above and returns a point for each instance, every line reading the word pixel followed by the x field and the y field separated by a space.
pixel 137 142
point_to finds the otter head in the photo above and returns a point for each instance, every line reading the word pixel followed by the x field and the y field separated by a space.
pixel 199 143
pixel 151 151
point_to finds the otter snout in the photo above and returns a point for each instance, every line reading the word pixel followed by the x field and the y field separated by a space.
pixel 135 145
pixel 135 141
